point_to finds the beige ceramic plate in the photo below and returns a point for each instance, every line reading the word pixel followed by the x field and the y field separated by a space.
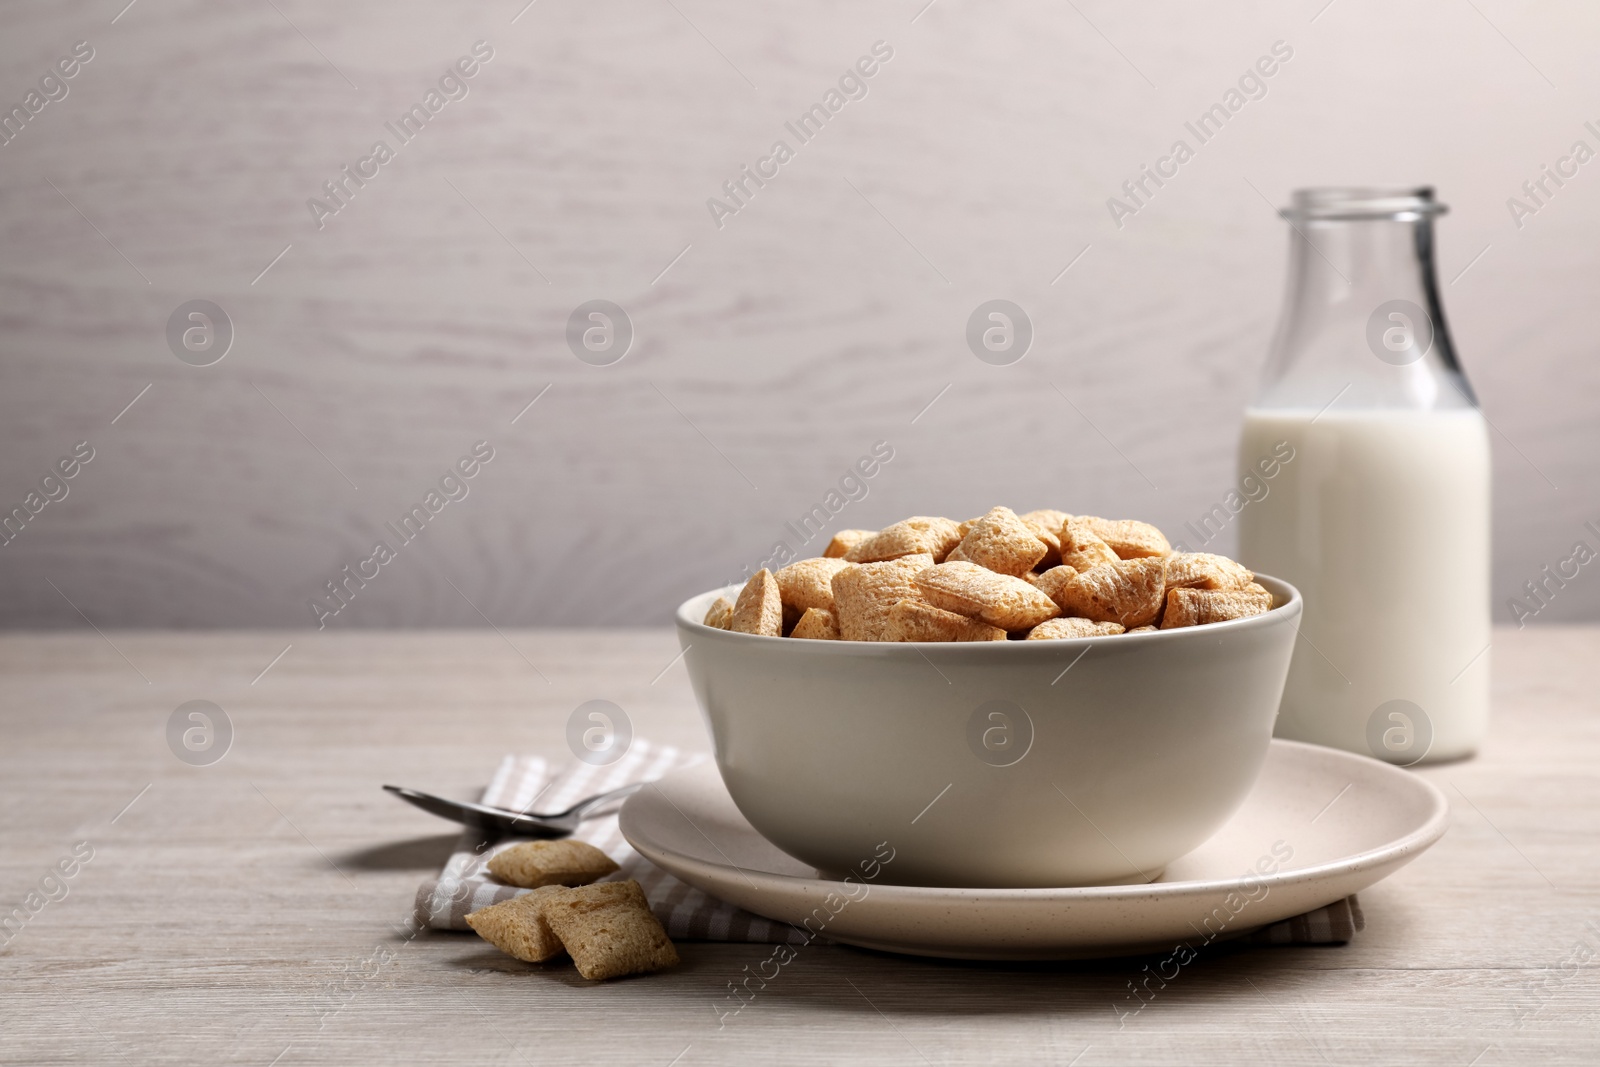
pixel 1319 825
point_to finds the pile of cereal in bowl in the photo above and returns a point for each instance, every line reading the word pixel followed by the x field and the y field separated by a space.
pixel 1039 576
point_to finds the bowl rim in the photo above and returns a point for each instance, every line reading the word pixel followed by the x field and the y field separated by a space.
pixel 1289 610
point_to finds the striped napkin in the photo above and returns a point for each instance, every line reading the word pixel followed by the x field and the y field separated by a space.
pixel 530 783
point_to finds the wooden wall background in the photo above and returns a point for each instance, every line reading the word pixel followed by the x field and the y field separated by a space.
pixel 771 355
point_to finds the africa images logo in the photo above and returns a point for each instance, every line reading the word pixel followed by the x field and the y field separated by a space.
pixel 852 85
pixel 452 85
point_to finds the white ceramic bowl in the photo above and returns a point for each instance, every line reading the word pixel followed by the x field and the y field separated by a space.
pixel 1092 761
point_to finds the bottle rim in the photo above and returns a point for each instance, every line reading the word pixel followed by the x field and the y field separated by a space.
pixel 1348 203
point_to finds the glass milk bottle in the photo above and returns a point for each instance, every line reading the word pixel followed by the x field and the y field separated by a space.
pixel 1381 516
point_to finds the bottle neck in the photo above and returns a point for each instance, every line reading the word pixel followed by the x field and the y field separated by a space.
pixel 1362 323
pixel 1333 264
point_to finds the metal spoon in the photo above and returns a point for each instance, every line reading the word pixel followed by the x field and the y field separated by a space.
pixel 500 820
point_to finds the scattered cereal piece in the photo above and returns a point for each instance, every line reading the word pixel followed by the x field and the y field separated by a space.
pixel 1056 629
pixel 1130 538
pixel 914 536
pixel 517 927
pixel 535 863
pixel 1081 547
pixel 913 620
pixel 808 583
pixel 1127 591
pixel 1050 582
pixel 609 930
pixel 720 614
pixel 998 599
pixel 1202 570
pixel 817 624
pixel 1196 607
pixel 844 541
pixel 1000 541
pixel 1046 526
pixel 863 594
pixel 759 609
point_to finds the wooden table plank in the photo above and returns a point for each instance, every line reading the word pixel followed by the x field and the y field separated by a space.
pixel 250 910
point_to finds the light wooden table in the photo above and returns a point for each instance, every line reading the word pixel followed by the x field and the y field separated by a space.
pixel 246 912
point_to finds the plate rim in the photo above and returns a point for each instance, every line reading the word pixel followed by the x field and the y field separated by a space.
pixel 1417 840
